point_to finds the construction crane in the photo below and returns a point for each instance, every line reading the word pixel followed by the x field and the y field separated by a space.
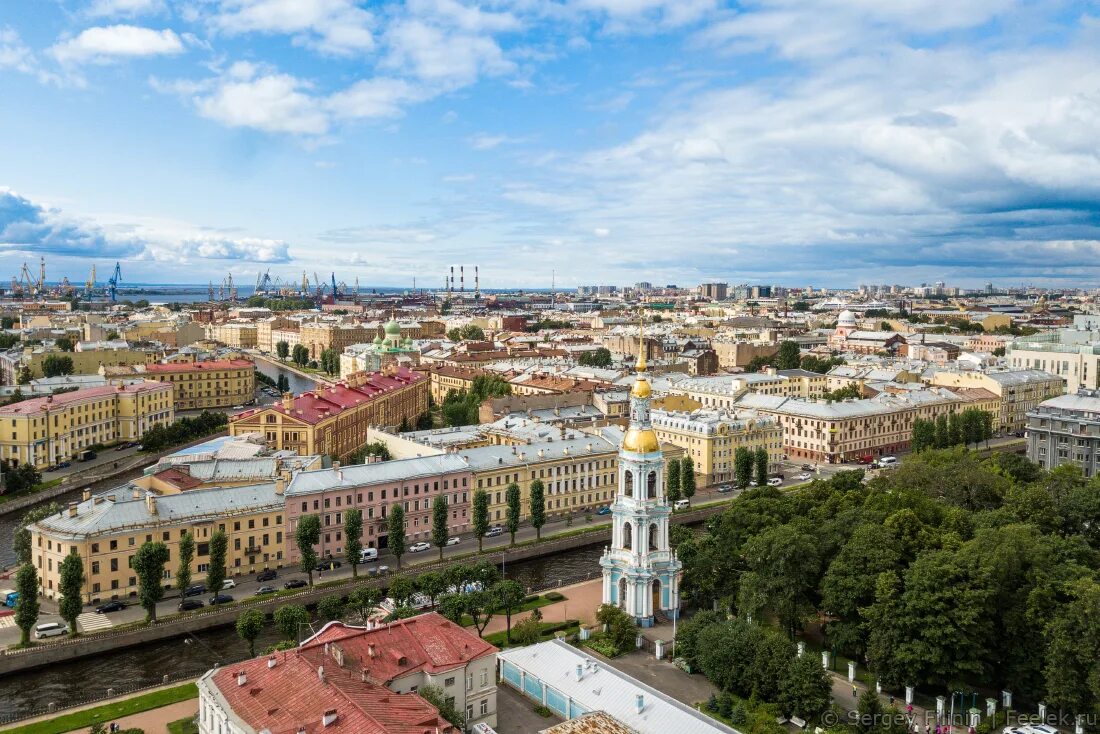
pixel 334 291
pixel 113 281
pixel 263 282
pixel 89 284
pixel 305 284
pixel 210 290
pixel 26 281
pixel 42 275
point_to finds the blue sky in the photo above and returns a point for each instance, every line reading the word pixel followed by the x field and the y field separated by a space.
pixel 826 142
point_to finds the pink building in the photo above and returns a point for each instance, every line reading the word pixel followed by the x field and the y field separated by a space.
pixel 373 488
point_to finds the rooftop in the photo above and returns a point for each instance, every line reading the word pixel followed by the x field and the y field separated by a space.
pixel 37 405
pixel 381 472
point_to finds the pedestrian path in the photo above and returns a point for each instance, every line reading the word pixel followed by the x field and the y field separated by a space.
pixel 8 620
pixel 93 622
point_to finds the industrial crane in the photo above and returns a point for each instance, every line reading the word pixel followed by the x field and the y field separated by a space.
pixel 89 284
pixel 113 281
pixel 263 282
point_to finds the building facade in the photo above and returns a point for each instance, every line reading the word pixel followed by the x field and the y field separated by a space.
pixel 1066 430
pixel 1020 391
pixel 1073 354
pixel 200 385
pixel 711 437
pixel 45 431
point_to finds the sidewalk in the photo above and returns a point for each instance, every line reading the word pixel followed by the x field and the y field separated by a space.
pixel 843 692
pixel 156 721
pixel 581 602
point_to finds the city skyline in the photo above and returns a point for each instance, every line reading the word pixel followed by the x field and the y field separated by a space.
pixel 604 140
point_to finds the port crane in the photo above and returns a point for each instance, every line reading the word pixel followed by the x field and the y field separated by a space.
pixel 113 281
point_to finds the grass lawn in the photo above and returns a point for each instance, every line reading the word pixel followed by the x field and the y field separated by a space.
pixel 183 726
pixel 110 711
pixel 500 638
pixel 36 488
pixel 542 601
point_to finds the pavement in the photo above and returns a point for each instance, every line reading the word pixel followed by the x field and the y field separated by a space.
pixel 516 713
pixel 581 602
pixel 156 721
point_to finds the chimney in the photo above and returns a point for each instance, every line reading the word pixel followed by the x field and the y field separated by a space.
pixel 580 671
pixel 321 673
pixel 137 493
pixel 280 485
pixel 151 503
pixel 639 703
pixel 72 509
pixel 86 494
pixel 241 678
pixel 288 401
pixel 336 465
pixel 329 718
pixel 272 661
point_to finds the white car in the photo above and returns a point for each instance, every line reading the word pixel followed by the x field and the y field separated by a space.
pixel 454 540
pixel 418 547
pixel 50 629
pixel 229 584
pixel 775 482
pixel 804 476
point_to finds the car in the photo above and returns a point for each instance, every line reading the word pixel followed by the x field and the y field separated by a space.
pixel 725 488
pixel 50 629
pixel 265 590
pixel 195 590
pixel 383 570
pixel 368 555
pixel 229 584
pixel 64 465
pixel 266 575
pixel 454 540
pixel 112 606
pixel 775 482
pixel 238 407
pixel 188 605
pixel 682 504
pixel 419 547
pixel 220 599
pixel 754 483
pixel 886 461
pixel 121 447
pixel 605 510
pixel 803 477
pixel 494 531
pixel 807 467
pixel 295 584
pixel 328 565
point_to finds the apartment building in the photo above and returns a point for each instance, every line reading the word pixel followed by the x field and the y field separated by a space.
pixel 317 337
pixel 712 436
pixel 334 420
pixel 834 432
pixel 373 489
pixel 1073 354
pixel 1066 430
pixel 107 529
pixel 267 328
pixel 199 385
pixel 1020 391
pixel 47 430
pixel 737 354
pixel 722 391
pixel 237 334
pixel 444 378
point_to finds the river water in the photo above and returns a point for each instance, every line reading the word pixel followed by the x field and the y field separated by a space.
pixel 298 384
pixel 90 677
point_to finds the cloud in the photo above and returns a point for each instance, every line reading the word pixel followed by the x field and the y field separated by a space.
pixel 108 44
pixel 485 141
pixel 272 102
pixel 111 8
pixel 338 27
pixel 221 248
pixel 441 56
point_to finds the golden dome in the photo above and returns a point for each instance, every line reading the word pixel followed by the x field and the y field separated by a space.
pixel 641 388
pixel 641 441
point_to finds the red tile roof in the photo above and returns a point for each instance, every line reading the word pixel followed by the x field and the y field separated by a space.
pixel 36 405
pixel 177 478
pixel 207 366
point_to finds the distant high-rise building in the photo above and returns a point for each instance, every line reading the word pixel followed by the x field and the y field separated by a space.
pixel 643 286
pixel 714 291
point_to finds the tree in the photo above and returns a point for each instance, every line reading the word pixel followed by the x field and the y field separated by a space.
pixel 431 584
pixel 1072 670
pixel 363 600
pixel 72 586
pixel 446 705
pixel 249 626
pixel 187 555
pixel 848 586
pixel 21 543
pixel 806 690
pixel 401 590
pixel 601 357
pixel 396 526
pixel 788 357
pixel 469 332
pixel 300 355
pixel 25 376
pixel 761 461
pixel 942 432
pixel 330 361
pixel 148 564
pixel 453 607
pixel 527 631
pixel 782 575
pixel 55 365
pixel 512 517
pixel 215 572
pixel 672 482
pixel 687 477
pixel 440 531
pixel 353 538
pixel 282 349
pixel 510 595
pixel 283 384
pixel 289 618
pixel 621 628
pixel 538 507
pixel 742 466
pixel 481 605
pixel 481 516
pixel 329 608
pixel 64 343
pixel 26 609
pixel 306 537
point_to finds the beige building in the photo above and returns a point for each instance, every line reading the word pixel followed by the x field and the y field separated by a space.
pixel 738 354
pixel 222 383
pixel 319 337
pixel 45 431
pixel 1019 391
pixel 267 328
pixel 1072 354
pixel 711 438
pixel 238 334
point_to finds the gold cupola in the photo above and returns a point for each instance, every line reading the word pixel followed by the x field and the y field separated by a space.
pixel 640 436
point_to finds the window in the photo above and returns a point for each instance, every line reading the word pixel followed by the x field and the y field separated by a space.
pixel 484 706
pixel 449 682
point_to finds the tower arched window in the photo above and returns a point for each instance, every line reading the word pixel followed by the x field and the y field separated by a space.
pixel 628 536
pixel 628 483
pixel 653 536
pixel 651 485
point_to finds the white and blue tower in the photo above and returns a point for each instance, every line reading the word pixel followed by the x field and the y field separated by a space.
pixel 640 569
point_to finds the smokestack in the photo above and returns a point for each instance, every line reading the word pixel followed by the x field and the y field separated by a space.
pixel 477 284
pixel 461 278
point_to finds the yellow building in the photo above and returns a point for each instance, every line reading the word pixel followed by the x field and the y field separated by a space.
pixel 89 362
pixel 319 337
pixel 335 419
pixel 711 438
pixel 211 384
pixel 445 378
pixel 1019 391
pixel 45 431
pixel 106 531
pixel 241 335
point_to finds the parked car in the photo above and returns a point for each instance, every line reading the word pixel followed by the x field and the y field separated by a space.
pixel 50 629
pixel 220 599
pixel 368 555
pixel 295 584
pixel 229 584
pixel 383 570
pixel 418 547
pixel 725 488
pixel 454 540
pixel 605 510
pixel 64 465
pixel 329 565
pixel 265 590
pixel 121 447
pixel 112 606
pixel 494 531
pixel 804 477
pixel 886 461
pixel 188 605
pixel 807 467
pixel 682 504
pixel 195 590
pixel 266 575
pixel 775 482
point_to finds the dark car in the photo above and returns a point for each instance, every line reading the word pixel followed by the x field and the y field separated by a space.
pixel 195 590
pixel 111 606
pixel 605 510
pixel 121 447
pixel 328 565
pixel 265 590
pixel 295 584
pixel 268 575
pixel 189 604
pixel 64 465
pixel 807 467
pixel 220 599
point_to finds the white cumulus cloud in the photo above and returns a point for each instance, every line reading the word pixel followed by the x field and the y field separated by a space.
pixel 107 44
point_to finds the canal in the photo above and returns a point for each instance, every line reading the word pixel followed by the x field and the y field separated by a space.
pixel 298 383
pixel 33 690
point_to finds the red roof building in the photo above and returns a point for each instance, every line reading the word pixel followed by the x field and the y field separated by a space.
pixel 356 680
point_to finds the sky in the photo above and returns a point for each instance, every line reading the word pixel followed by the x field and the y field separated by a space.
pixel 797 142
